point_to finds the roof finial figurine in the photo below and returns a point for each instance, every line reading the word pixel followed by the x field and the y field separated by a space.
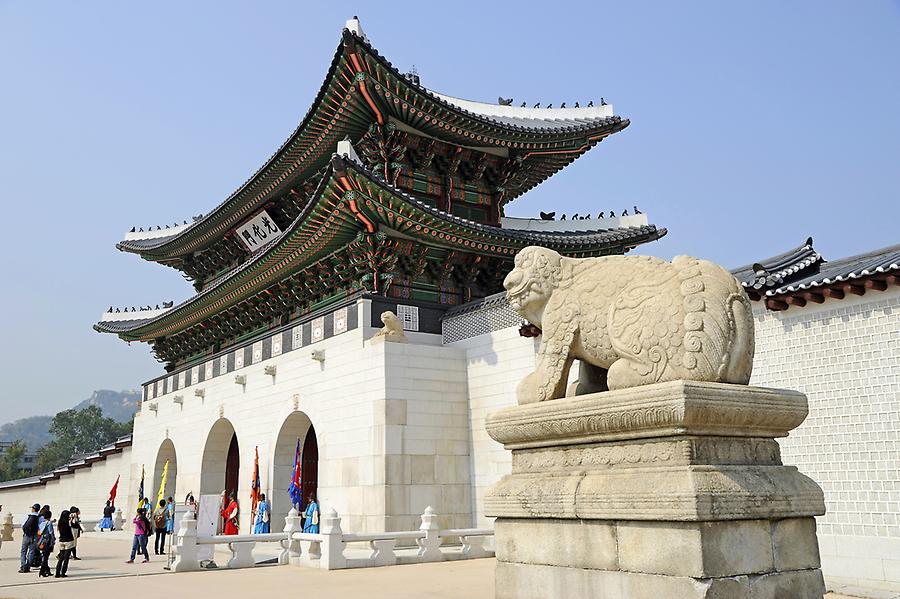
pixel 636 211
pixel 563 105
pixel 563 217
pixel 590 104
pixel 117 310
pixel 110 309
pixel 504 101
pixel 576 105
pixel 547 215
pixel 141 229
pixel 157 306
pixel 132 229
pixel 168 304
pixel 602 101
pixel 537 105
pixel 523 105
pixel 575 216
pixel 600 215
pixel 185 222
pixel 550 105
pixel 612 214
pixel 625 212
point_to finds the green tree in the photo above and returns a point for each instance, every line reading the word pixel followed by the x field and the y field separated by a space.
pixel 77 432
pixel 9 461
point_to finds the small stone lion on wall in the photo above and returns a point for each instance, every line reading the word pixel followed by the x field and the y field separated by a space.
pixel 392 330
pixel 631 320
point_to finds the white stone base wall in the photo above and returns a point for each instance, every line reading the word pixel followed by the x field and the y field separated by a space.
pixel 87 488
pixel 496 363
pixel 390 420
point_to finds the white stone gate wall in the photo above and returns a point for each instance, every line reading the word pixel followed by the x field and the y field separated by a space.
pixel 845 355
pixel 426 434
pixel 496 362
pixel 340 396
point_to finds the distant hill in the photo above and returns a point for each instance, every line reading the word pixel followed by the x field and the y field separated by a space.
pixel 118 405
pixel 35 430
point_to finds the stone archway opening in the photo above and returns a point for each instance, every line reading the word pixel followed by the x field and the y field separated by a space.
pixel 221 460
pixel 166 453
pixel 296 428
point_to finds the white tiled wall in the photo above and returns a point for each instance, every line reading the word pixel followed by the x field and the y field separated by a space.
pixel 845 355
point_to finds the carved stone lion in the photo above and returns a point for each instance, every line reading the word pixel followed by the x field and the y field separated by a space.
pixel 631 320
pixel 392 330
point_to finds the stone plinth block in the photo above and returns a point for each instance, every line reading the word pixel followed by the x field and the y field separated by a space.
pixel 669 490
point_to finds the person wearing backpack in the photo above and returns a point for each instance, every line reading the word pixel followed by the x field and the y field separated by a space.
pixel 29 538
pixel 46 540
pixel 160 521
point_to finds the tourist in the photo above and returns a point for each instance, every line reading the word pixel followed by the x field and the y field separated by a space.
pixel 141 533
pixel 107 521
pixel 66 543
pixel 76 530
pixel 170 523
pixel 160 524
pixel 230 515
pixel 46 540
pixel 311 524
pixel 29 538
pixel 261 525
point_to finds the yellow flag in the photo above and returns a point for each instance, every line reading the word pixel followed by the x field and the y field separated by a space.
pixel 162 484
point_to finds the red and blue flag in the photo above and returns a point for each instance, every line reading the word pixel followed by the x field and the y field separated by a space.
pixel 295 489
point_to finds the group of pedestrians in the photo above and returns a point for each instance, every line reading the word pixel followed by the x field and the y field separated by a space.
pixel 162 524
pixel 41 533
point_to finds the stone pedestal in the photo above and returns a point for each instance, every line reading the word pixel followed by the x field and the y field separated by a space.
pixel 674 490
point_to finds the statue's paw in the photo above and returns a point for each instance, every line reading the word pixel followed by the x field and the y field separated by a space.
pixel 527 391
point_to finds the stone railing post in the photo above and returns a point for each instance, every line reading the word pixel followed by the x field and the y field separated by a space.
pixel 241 555
pixel 119 520
pixel 290 549
pixel 473 547
pixel 430 546
pixel 186 559
pixel 6 531
pixel 332 543
pixel 383 552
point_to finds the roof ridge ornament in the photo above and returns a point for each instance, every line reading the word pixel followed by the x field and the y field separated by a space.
pixel 346 150
pixel 354 26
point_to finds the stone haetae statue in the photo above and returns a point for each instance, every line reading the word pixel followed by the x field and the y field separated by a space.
pixel 392 330
pixel 631 320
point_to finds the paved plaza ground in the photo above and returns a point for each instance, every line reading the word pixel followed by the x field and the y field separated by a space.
pixel 103 573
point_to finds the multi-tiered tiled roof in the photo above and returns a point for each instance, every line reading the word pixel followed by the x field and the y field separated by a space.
pixel 412 209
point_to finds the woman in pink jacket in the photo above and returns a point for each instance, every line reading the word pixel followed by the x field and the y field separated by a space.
pixel 141 533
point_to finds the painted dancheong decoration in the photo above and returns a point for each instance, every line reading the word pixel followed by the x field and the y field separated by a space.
pixel 631 320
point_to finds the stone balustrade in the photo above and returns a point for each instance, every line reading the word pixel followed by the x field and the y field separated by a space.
pixel 328 549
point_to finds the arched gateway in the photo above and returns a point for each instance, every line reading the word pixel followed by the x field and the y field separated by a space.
pixel 166 453
pixel 220 469
pixel 296 427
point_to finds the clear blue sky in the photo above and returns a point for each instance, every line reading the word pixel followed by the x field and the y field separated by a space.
pixel 754 125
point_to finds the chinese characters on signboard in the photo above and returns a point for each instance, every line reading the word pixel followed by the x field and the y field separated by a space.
pixel 258 231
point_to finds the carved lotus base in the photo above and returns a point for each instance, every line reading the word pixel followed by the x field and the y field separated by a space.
pixel 671 490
